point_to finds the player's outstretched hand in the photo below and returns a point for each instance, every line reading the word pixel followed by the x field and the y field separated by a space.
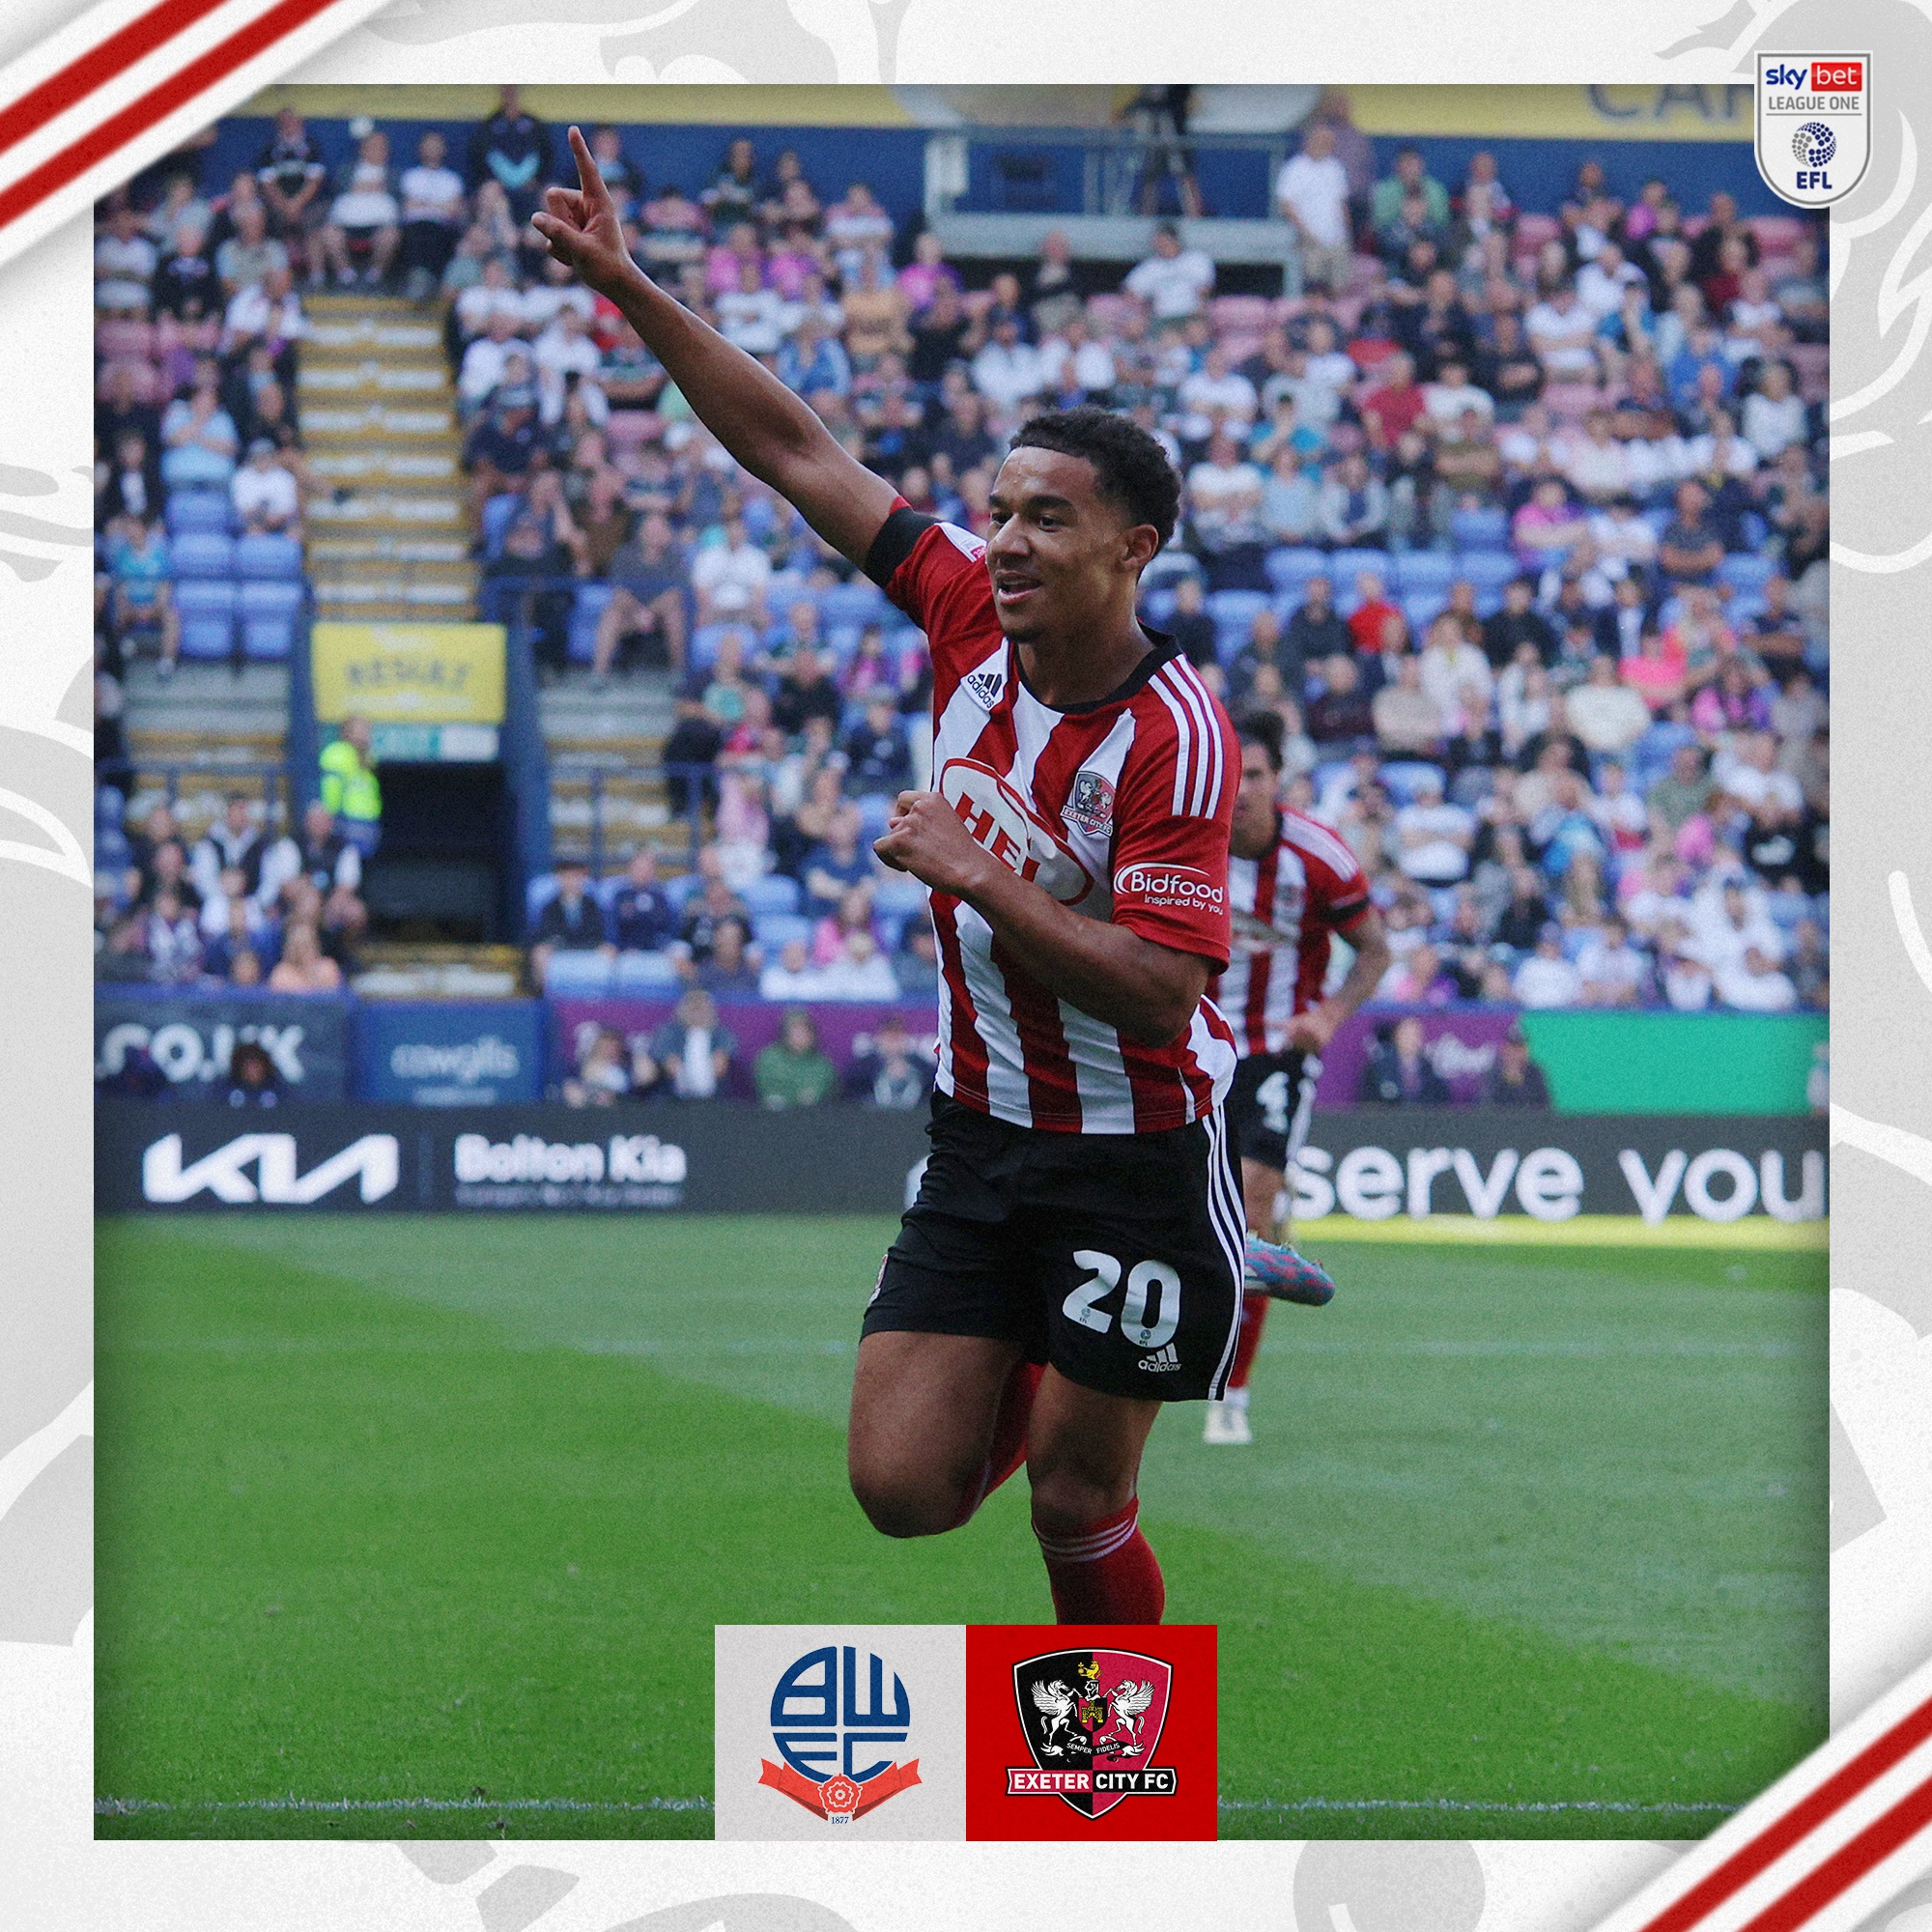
pixel 581 228
pixel 923 837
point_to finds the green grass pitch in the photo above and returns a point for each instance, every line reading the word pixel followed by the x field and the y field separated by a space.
pixel 422 1525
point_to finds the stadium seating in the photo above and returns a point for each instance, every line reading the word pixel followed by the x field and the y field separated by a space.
pixel 207 611
pixel 202 554
pixel 268 556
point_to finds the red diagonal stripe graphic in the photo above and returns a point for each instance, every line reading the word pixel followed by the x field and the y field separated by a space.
pixel 100 65
pixel 1804 1818
pixel 1849 1863
pixel 177 91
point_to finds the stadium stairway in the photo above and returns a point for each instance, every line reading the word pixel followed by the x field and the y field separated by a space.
pixel 388 533
pixel 209 722
pixel 619 734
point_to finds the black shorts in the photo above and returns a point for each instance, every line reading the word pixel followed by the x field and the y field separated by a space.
pixel 1268 1106
pixel 1115 1256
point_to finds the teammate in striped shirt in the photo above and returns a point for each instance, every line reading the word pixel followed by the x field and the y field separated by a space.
pixel 1293 882
pixel 1074 1257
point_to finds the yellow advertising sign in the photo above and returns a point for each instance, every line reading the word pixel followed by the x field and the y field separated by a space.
pixel 409 673
pixel 1640 111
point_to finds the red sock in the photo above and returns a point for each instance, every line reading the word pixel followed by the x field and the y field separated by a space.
pixel 1106 1574
pixel 1254 1313
pixel 1008 1448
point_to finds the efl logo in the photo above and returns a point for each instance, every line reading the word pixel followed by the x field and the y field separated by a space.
pixel 828 1723
pixel 1168 886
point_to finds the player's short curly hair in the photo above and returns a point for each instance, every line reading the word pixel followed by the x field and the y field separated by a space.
pixel 1263 728
pixel 1132 468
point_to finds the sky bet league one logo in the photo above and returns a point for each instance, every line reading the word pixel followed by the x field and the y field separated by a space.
pixel 1813 125
pixel 832 1721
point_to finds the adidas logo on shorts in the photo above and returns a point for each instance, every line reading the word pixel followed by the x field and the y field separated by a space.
pixel 1161 1361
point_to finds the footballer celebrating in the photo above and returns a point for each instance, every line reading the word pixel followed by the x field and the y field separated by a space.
pixel 1074 1257
pixel 1292 883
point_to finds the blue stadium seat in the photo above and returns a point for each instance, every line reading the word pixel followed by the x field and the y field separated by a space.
pixel 202 554
pixel 679 890
pixel 206 608
pixel 1488 570
pixel 110 807
pixel 1289 570
pixel 538 892
pixel 1404 777
pixel 859 602
pixel 1745 570
pixel 1422 608
pixel 874 808
pixel 645 973
pixel 787 589
pixel 899 891
pixel 1158 604
pixel 270 610
pixel 1346 564
pixel 1471 785
pixel 1478 528
pixel 585 613
pixel 268 639
pixel 771 893
pixel 112 852
pixel 1423 570
pixel 576 975
pixel 1168 568
pixel 776 931
pixel 267 556
pixel 1237 608
pixel 707 637
pixel 499 513
pixel 204 512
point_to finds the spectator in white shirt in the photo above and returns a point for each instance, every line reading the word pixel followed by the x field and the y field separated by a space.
pixel 1611 968
pixel 730 578
pixel 1172 281
pixel 1622 536
pixel 1009 372
pixel 1563 332
pixel 1433 838
pixel 1597 465
pixel 1606 713
pixel 1601 283
pixel 264 492
pixel 752 316
pixel 1546 978
pixel 433 208
pixel 1452 664
pixel 1452 393
pixel 1754 983
pixel 1773 415
pixel 562 351
pixel 1216 396
pixel 125 261
pixel 1311 193
pixel 1074 360
pixel 487 359
pixel 494 294
pixel 792 975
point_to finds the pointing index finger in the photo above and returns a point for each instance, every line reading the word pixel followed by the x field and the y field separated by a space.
pixel 589 176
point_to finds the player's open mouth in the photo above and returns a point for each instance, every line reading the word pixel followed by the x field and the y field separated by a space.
pixel 1011 589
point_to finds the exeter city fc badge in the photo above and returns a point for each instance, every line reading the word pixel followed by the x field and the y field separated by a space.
pixel 1813 125
pixel 1091 1720
pixel 1090 804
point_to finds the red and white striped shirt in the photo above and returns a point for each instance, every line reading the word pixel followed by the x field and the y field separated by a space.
pixel 1288 901
pixel 1118 809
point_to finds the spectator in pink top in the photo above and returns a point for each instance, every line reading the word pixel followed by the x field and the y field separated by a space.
pixel 1549 526
pixel 926 274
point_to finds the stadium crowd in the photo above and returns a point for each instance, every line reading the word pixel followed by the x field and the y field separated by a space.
pixel 1516 520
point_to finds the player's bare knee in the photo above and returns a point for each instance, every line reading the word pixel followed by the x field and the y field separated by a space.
pixel 1067 1499
pixel 905 1506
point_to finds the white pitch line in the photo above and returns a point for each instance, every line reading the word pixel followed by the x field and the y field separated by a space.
pixel 122 1807
pixel 1459 1805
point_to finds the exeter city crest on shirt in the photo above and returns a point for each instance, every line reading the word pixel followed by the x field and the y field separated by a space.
pixel 1813 125
pixel 1090 804
pixel 1091 1720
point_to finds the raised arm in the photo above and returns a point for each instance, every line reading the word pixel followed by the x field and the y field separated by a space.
pixel 771 432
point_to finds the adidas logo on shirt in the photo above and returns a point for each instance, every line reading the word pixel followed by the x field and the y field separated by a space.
pixel 985 685
pixel 1162 1361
